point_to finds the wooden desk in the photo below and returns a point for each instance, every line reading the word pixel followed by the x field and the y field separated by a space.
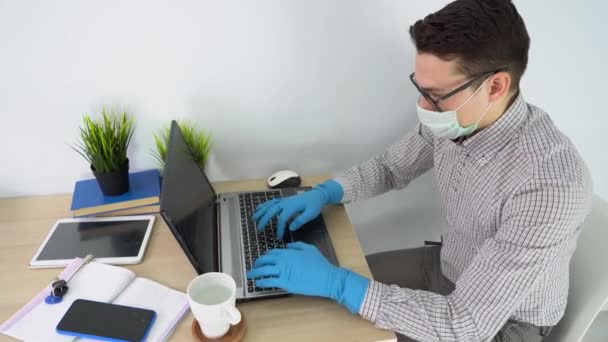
pixel 24 222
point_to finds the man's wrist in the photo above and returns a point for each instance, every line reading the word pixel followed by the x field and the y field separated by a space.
pixel 332 191
pixel 350 289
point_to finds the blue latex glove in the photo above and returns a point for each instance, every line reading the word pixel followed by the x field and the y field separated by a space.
pixel 302 269
pixel 306 206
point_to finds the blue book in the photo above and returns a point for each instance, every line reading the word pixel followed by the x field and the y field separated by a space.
pixel 144 189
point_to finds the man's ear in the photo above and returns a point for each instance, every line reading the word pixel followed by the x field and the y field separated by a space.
pixel 499 85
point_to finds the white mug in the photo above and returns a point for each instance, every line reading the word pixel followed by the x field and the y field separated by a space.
pixel 212 298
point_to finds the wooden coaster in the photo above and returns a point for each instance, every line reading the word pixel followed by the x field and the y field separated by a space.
pixel 234 334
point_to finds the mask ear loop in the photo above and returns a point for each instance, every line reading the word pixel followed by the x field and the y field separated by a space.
pixel 484 113
pixel 473 95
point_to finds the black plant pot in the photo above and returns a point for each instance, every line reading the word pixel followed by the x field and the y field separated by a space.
pixel 113 183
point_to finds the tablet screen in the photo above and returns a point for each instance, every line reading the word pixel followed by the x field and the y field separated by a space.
pixel 107 239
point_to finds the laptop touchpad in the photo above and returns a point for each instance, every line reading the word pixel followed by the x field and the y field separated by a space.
pixel 318 236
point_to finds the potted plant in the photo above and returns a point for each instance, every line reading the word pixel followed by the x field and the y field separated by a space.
pixel 104 145
pixel 197 140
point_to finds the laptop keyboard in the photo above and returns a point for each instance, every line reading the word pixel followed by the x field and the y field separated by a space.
pixel 256 243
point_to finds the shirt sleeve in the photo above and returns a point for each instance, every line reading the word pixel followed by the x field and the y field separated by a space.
pixel 542 218
pixel 402 161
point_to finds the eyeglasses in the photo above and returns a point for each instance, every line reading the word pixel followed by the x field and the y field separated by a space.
pixel 435 102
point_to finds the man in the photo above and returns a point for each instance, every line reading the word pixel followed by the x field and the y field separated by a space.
pixel 514 190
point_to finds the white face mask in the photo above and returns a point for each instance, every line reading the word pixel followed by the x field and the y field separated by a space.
pixel 445 124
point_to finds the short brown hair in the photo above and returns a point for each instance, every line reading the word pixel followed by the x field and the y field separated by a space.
pixel 483 35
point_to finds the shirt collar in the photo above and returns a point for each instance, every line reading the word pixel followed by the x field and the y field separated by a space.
pixel 486 143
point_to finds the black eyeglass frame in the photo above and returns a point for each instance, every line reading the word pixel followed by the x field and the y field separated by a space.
pixel 435 102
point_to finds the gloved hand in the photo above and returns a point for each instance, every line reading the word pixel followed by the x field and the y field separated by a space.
pixel 308 205
pixel 302 269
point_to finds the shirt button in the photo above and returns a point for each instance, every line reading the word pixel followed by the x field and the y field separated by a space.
pixel 483 160
pixel 464 154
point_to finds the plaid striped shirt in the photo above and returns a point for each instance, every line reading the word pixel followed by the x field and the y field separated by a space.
pixel 515 197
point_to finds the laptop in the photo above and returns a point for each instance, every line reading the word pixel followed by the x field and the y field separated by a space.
pixel 216 231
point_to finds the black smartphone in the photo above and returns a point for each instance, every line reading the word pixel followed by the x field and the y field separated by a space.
pixel 104 321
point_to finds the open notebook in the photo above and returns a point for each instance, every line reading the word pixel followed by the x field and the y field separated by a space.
pixel 37 320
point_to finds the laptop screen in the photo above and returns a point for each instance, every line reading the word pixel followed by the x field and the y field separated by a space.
pixel 187 201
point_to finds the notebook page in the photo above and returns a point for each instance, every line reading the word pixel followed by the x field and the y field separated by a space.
pixel 169 305
pixel 95 281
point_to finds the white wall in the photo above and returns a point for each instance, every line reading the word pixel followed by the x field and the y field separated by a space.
pixel 311 85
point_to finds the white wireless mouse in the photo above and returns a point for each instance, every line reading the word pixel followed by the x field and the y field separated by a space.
pixel 284 179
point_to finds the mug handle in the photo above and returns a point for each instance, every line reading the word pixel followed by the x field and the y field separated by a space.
pixel 231 314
